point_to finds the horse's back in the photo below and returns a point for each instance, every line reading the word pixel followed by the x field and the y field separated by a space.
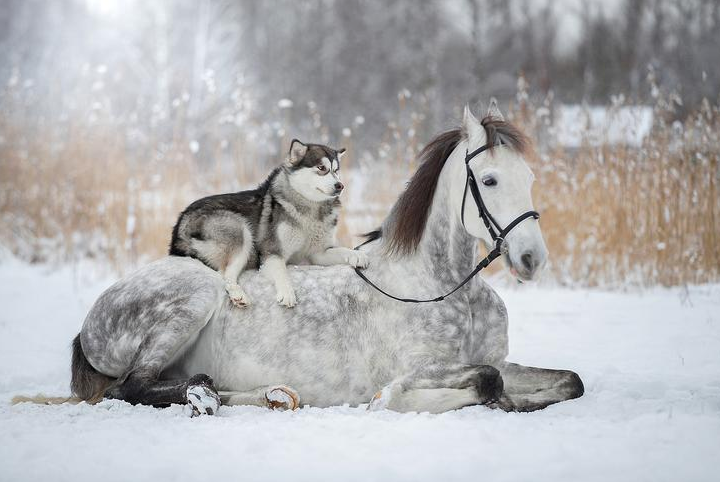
pixel 170 300
pixel 320 346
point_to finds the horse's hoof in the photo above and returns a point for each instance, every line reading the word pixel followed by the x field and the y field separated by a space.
pixel 377 403
pixel 381 400
pixel 202 398
pixel 282 397
pixel 503 403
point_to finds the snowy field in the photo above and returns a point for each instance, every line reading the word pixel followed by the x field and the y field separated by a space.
pixel 650 362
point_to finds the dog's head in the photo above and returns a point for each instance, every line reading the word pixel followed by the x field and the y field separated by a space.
pixel 314 170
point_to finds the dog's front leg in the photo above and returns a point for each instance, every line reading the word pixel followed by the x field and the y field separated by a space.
pixel 274 268
pixel 339 255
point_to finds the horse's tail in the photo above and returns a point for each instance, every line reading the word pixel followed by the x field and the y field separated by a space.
pixel 41 399
pixel 87 384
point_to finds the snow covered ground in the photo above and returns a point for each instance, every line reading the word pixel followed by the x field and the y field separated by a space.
pixel 650 362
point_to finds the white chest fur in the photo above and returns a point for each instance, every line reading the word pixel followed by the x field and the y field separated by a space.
pixel 299 240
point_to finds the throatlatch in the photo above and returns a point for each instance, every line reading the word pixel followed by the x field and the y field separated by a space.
pixel 497 233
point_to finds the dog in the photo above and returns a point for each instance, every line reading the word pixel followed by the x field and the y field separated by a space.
pixel 290 218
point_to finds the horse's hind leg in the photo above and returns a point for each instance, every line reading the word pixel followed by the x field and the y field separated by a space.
pixel 439 388
pixel 198 392
pixel 178 323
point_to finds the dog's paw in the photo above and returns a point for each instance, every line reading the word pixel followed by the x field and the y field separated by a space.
pixel 237 295
pixel 282 397
pixel 202 398
pixel 286 296
pixel 357 259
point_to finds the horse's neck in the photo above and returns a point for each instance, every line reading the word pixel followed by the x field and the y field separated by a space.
pixel 446 251
pixel 445 244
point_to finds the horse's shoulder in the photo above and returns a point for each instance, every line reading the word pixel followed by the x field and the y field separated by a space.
pixel 485 299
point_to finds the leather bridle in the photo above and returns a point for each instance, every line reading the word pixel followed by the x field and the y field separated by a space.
pixel 497 233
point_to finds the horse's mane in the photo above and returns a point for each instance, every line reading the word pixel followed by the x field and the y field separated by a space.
pixel 410 212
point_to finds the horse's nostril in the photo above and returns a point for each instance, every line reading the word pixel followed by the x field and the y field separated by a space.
pixel 528 261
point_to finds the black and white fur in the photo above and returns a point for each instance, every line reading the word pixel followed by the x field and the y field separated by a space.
pixel 290 218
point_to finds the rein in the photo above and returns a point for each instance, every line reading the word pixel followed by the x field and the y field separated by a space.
pixel 497 233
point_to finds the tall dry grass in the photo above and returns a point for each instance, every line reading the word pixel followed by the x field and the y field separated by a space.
pixel 616 215
pixel 612 215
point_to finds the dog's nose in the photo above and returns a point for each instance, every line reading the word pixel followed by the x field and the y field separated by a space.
pixel 339 186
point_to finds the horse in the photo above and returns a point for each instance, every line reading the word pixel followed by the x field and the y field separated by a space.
pixel 167 333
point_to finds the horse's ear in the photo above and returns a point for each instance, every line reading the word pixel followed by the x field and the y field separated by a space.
pixel 474 129
pixel 297 152
pixel 494 110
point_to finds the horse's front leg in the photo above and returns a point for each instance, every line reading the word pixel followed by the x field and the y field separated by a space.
pixel 439 388
pixel 529 388
pixel 275 397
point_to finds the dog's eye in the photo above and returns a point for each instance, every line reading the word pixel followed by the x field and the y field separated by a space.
pixel 322 168
pixel 489 181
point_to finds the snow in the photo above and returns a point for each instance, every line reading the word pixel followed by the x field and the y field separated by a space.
pixel 650 362
pixel 285 103
pixel 597 125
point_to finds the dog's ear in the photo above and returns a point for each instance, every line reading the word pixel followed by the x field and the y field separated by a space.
pixel 297 152
pixel 341 152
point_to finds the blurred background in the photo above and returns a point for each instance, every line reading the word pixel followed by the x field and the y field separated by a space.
pixel 114 115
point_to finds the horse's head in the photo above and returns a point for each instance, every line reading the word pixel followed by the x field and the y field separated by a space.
pixel 504 182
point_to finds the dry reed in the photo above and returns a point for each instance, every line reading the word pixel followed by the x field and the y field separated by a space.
pixel 612 215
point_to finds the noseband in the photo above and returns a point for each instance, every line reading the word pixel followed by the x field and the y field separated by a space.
pixel 497 233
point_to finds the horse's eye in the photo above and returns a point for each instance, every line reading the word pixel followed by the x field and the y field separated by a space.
pixel 489 181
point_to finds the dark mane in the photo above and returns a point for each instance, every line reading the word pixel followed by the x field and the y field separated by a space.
pixel 410 213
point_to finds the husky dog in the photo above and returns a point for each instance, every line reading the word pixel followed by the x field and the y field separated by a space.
pixel 290 218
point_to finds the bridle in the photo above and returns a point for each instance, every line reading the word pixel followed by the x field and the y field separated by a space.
pixel 497 233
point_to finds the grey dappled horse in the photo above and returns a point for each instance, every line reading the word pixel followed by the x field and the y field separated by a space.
pixel 168 334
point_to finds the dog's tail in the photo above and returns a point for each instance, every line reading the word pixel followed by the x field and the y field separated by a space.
pixel 87 384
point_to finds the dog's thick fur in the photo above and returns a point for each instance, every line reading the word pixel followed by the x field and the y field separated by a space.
pixel 290 218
